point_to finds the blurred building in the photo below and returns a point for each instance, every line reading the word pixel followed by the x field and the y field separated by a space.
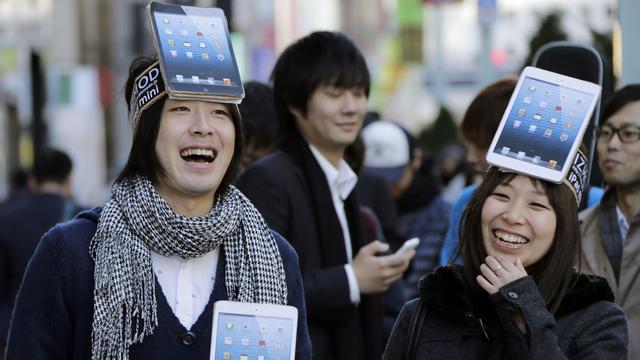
pixel 420 55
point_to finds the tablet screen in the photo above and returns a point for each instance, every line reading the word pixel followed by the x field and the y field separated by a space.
pixel 195 49
pixel 249 337
pixel 543 123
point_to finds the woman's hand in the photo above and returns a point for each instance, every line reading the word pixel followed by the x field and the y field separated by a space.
pixel 498 272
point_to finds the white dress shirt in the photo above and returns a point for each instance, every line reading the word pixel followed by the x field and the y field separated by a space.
pixel 623 224
pixel 341 182
pixel 186 284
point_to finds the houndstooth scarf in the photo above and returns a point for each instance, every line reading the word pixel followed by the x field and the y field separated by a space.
pixel 137 219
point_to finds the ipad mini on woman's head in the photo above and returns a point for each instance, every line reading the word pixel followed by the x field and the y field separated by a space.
pixel 543 125
pixel 253 331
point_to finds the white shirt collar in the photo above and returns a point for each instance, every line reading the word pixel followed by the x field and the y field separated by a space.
pixel 622 223
pixel 342 180
pixel 186 284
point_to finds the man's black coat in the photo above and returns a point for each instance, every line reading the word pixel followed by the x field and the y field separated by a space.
pixel 22 224
pixel 291 192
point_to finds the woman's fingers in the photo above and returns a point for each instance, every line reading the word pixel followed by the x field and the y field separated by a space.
pixel 499 271
pixel 493 263
pixel 489 274
pixel 508 264
pixel 486 285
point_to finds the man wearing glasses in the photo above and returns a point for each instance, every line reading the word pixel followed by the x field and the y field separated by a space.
pixel 610 233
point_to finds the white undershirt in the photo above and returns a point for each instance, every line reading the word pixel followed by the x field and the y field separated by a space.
pixel 186 284
pixel 623 224
pixel 341 182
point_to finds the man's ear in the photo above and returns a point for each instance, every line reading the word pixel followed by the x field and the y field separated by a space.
pixel 297 113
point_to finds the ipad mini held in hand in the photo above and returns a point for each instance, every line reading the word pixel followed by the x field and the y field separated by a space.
pixel 544 123
pixel 253 331
pixel 195 51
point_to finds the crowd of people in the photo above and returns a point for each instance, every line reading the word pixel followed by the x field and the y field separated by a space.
pixel 299 196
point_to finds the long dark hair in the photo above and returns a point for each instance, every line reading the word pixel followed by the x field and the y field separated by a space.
pixel 554 272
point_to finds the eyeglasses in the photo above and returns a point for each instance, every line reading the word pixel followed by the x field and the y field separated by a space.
pixel 626 133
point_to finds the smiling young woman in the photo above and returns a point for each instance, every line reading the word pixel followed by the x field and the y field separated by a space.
pixel 518 294
pixel 543 213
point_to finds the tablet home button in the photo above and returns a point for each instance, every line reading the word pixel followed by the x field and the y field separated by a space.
pixel 188 338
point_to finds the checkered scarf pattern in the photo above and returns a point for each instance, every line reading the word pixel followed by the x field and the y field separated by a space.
pixel 137 219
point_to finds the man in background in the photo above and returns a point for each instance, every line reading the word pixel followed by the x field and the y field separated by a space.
pixel 305 192
pixel 24 221
pixel 263 131
pixel 610 233
pixel 22 186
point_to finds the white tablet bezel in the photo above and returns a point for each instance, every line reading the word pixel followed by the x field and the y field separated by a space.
pixel 208 92
pixel 509 163
pixel 258 310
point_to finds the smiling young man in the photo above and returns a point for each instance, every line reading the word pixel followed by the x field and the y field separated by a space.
pixel 305 192
pixel 610 233
pixel 90 290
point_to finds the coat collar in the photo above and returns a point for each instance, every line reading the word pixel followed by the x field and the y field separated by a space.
pixel 446 293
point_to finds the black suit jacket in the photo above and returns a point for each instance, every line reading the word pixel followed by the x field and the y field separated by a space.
pixel 277 186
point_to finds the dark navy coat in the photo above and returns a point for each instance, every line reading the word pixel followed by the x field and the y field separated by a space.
pixel 22 224
pixel 54 309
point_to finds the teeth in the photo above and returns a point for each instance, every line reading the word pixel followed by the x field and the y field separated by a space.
pixel 202 152
pixel 510 238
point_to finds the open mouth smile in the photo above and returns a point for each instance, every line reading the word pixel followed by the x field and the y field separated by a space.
pixel 199 155
pixel 509 240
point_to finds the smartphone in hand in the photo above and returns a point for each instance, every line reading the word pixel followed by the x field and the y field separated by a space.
pixel 410 244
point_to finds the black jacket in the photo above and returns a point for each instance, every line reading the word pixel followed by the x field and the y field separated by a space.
pixel 462 325
pixel 292 202
pixel 22 224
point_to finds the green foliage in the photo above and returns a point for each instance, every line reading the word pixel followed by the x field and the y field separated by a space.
pixel 442 132
pixel 550 29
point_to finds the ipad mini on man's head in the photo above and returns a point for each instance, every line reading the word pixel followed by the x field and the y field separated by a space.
pixel 195 50
pixel 543 125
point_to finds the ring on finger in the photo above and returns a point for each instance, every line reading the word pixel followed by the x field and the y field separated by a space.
pixel 498 268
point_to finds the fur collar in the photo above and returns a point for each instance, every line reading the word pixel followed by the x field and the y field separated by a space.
pixel 588 289
pixel 445 291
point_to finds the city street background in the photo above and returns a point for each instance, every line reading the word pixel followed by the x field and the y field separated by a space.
pixel 63 63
